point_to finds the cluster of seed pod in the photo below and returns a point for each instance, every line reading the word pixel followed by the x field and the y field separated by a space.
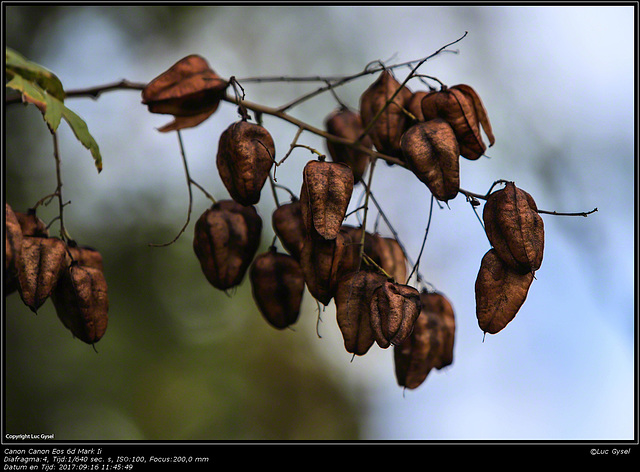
pixel 516 233
pixel 428 130
pixel 39 267
pixel 364 274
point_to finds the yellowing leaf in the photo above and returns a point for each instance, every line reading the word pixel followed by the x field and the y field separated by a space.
pixel 47 80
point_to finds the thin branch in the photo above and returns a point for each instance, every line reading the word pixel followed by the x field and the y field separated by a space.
pixel 366 71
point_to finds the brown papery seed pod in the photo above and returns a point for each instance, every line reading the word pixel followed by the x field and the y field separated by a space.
pixel 414 105
pixel 321 261
pixel 277 285
pixel 189 87
pixel 352 253
pixel 41 263
pixel 31 225
pixel 353 309
pixel 85 256
pixel 289 227
pixel 394 309
pixel 325 196
pixel 462 108
pixel 430 344
pixel 500 292
pixel 347 124
pixel 440 320
pixel 246 153
pixel 226 238
pixel 431 151
pixel 392 258
pixel 391 123
pixel 81 302
pixel 514 228
pixel 12 249
pixel 389 126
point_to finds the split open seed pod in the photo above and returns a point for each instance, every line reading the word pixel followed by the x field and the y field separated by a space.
pixel 325 196
pixel 277 285
pixel 190 90
pixel 461 107
pixel 82 303
pixel 500 292
pixel 226 238
pixel 431 151
pixel 353 309
pixel 392 120
pixel 42 261
pixel 514 228
pixel 322 262
pixel 12 250
pixel 394 309
pixel 246 153
pixel 289 227
pixel 347 124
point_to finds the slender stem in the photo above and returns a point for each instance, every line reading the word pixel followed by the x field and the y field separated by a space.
pixel 189 182
pixel 424 240
pixel 366 211
pixel 273 190
pixel 56 154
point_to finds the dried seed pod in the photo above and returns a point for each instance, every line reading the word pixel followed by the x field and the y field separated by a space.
pixel 277 285
pixel 246 153
pixel 391 123
pixel 12 249
pixel 461 107
pixel 500 292
pixel 353 308
pixel 289 227
pixel 439 314
pixel 324 197
pixel 391 257
pixel 41 263
pixel 514 228
pixel 321 261
pixel 81 302
pixel 430 344
pixel 85 256
pixel 431 151
pixel 226 238
pixel 31 225
pixel 189 87
pixel 394 309
pixel 414 105
pixel 347 124
pixel 354 243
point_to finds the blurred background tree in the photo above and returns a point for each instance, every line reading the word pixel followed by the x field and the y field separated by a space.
pixel 181 360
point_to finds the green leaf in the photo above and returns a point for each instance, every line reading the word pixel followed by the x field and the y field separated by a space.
pixel 53 110
pixel 47 80
pixel 81 131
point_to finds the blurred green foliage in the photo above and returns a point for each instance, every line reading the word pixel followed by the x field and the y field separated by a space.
pixel 180 360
